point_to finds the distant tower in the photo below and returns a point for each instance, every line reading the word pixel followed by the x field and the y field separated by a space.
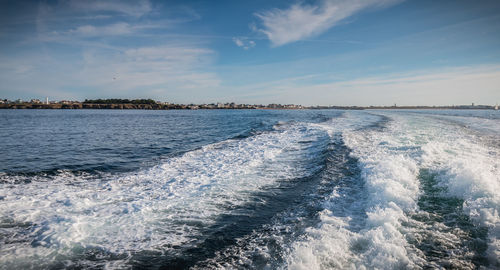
pixel 47 100
pixel 472 104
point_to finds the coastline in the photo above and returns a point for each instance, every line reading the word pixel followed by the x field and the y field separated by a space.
pixel 159 106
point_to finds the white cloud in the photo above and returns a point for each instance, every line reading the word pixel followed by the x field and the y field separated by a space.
pixel 447 86
pixel 304 21
pixel 107 30
pixel 177 57
pixel 238 42
pixel 160 72
pixel 244 42
pixel 134 8
pixel 169 67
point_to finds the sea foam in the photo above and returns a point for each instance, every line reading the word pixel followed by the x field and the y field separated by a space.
pixel 391 159
pixel 55 220
pixel 391 188
pixel 470 170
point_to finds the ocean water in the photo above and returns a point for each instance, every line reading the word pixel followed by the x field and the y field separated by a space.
pixel 249 189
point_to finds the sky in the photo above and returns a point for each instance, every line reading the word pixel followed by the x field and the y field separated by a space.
pixel 317 52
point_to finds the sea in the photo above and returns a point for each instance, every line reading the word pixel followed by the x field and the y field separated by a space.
pixel 250 189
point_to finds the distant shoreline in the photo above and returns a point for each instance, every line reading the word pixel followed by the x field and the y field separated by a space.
pixel 158 106
pixel 128 106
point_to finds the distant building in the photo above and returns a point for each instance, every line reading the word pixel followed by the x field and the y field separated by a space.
pixel 35 101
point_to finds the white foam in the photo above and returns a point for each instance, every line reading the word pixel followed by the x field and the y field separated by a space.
pixel 169 203
pixel 471 171
pixel 257 244
pixel 390 160
pixel 483 120
pixel 153 209
pixel 391 189
pixel 468 160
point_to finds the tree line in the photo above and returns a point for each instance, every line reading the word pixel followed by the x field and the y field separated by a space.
pixel 119 101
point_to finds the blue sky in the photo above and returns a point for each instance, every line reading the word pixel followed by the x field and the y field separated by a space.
pixel 326 52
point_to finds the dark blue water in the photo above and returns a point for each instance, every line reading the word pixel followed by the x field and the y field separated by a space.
pixel 249 189
pixel 112 141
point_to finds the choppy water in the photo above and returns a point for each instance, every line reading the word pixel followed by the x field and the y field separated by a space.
pixel 249 189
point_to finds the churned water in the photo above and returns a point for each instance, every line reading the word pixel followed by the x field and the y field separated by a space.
pixel 249 189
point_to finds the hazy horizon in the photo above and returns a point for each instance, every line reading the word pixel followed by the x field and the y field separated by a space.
pixel 395 105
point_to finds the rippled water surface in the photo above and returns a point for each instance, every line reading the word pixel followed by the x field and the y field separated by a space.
pixel 249 189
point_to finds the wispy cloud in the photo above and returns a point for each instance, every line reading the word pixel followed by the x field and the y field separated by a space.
pixel 92 18
pixel 169 67
pixel 244 42
pixel 107 30
pixel 134 8
pixel 103 56
pixel 445 86
pixel 301 21
pixel 156 71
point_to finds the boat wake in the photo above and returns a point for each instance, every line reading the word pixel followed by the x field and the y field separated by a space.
pixel 361 190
